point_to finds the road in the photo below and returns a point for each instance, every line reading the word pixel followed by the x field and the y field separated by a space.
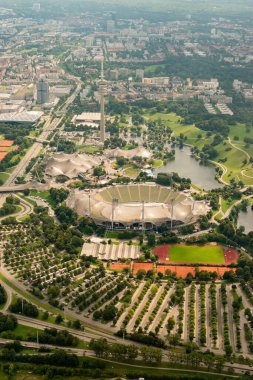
pixel 48 128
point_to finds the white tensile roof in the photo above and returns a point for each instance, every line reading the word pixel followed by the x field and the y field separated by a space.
pixel 136 152
pixel 161 204
pixel 70 165
pixel 21 117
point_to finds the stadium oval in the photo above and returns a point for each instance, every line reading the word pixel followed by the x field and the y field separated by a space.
pixel 137 206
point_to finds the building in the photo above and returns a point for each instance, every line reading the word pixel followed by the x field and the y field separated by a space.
pixel 110 26
pixel 87 117
pixel 42 91
pixel 36 7
pixel 114 74
pixel 139 73
pixel 156 81
pixel 26 117
pixel 137 207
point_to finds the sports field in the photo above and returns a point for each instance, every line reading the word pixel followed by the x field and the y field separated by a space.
pixel 195 254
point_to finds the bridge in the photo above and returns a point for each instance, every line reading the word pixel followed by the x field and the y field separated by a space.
pixel 25 186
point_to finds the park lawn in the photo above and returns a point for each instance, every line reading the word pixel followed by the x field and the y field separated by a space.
pixel 226 203
pixel 234 163
pixel 21 331
pixel 153 68
pixel 241 131
pixel 131 171
pixel 45 194
pixel 196 254
pixel 234 158
pixel 190 131
pixel 218 216
pixel 4 176
pixel 157 164
pixel 89 149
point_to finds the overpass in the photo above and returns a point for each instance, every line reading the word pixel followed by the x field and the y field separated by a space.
pixel 25 186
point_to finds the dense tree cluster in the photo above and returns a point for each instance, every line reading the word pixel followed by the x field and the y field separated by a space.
pixel 22 306
pixel 58 195
pixel 7 322
pixel 56 338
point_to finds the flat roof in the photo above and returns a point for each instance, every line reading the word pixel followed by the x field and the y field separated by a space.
pixel 21 117
pixel 88 116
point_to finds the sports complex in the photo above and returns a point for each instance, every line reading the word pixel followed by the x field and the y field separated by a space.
pixel 194 254
pixel 137 206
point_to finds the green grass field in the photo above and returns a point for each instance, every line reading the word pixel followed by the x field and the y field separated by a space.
pixel 194 254
pixel 232 158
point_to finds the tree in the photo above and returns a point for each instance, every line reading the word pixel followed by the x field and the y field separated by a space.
pixel 109 313
pixel 141 273
pixel 98 171
pixel 58 319
pixel 170 324
pixel 100 347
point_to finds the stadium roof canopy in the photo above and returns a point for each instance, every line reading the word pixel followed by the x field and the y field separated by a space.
pixel 70 165
pixel 26 117
pixel 131 205
pixel 136 152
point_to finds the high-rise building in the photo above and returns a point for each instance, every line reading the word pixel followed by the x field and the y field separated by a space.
pixel 102 90
pixel 36 7
pixel 42 91
pixel 110 26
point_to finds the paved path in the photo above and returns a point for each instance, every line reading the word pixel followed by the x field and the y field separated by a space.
pixel 244 343
pixel 164 305
pixel 134 299
pixel 197 315
pixel 130 326
pixel 230 320
pixel 185 334
pixel 145 319
pixel 208 319
pixel 219 307
pixel 240 149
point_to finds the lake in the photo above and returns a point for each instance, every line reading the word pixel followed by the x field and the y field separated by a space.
pixel 187 166
pixel 245 219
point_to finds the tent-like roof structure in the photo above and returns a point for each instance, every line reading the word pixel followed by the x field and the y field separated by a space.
pixel 134 204
pixel 70 165
pixel 136 152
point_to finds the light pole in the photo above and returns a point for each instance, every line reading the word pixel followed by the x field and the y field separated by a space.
pixel 143 216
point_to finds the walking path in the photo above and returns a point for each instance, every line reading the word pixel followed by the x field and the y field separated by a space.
pixel 164 305
pixel 230 320
pixel 186 315
pixel 208 319
pixel 219 307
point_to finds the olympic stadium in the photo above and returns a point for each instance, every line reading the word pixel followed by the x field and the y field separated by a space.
pixel 137 206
